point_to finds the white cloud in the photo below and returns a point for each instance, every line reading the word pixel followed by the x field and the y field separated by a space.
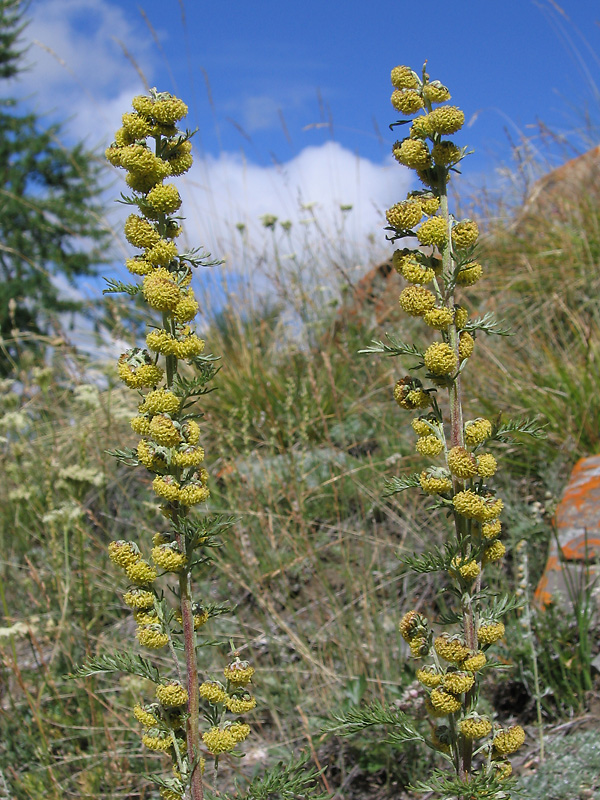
pixel 87 77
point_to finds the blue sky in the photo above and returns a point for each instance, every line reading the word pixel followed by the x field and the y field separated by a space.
pixel 298 106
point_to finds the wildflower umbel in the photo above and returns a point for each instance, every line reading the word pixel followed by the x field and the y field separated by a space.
pixel 152 151
pixel 457 477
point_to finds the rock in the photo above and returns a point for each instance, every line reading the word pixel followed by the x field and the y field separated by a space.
pixel 577 525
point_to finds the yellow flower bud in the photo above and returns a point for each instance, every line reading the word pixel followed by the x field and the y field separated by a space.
pixel 239 672
pixel 171 694
pixel 429 446
pixel 139 232
pixel 469 505
pixel 474 662
pixel 464 234
pixel 416 300
pixel 495 552
pixel 458 682
pixel 435 481
pixel 412 153
pixel 124 553
pixel 440 359
pixel 404 78
pixel 468 570
pixel 405 215
pixel 218 740
pixel 509 740
pixel 160 401
pixel 141 573
pixel 491 529
pixel 462 463
pixel 446 120
pixel 439 318
pixel 158 740
pixel 406 101
pixel 490 632
pixel 486 465
pixel 161 290
pixel 477 431
pixel 446 154
pixel 475 727
pixel 429 677
pixel 444 702
pixel 139 598
pixel 434 231
pixel 410 269
pixel 161 254
pixel 434 92
pixel 169 557
pixel 469 274
pixel 450 648
pixel 213 692
pixel 152 636
pixel 238 705
pixel 145 716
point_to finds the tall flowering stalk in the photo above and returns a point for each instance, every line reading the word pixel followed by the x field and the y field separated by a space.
pixel 188 718
pixel 454 653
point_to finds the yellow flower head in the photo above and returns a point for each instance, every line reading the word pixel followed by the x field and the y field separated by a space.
pixel 475 727
pixel 434 92
pixel 493 508
pixel 444 702
pixel 416 300
pixel 486 465
pixel 429 677
pixel 124 553
pixel 135 368
pixel 169 557
pixel 164 431
pixel 502 769
pixel 509 740
pixel 464 234
pixel 429 446
pixel 419 646
pixel 409 394
pixel 161 290
pixel 466 345
pixel 412 153
pixel 213 692
pixel 155 739
pixel 458 682
pixel 435 480
pixel 240 705
pixel 164 198
pixel 469 504
pixel 141 573
pixel 495 552
pixel 187 307
pixel 451 648
pixel 139 232
pixel 152 636
pixel 491 529
pixel 419 129
pixel 218 740
pixel 144 165
pixel 404 78
pixel 410 269
pixel 139 598
pixel 166 487
pixel 145 715
pixel 152 456
pixel 139 266
pixel 171 694
pixel 188 456
pixel 160 401
pixel 192 494
pixel 406 101
pixel 161 254
pixel 474 662
pixel 490 632
pixel 239 672
pixel 462 463
pixel 446 120
pixel 191 431
pixel 461 316
pixel 440 359
pixel 468 570
pixel 439 318
pixel 421 427
pixel 136 126
pixel 469 274
pixel 477 431
pixel 434 231
pixel 446 154
pixel 412 624
pixel 140 425
pixel 405 215
pixel 240 731
pixel 430 204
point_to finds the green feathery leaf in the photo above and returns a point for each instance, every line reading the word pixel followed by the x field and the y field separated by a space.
pixel 118 287
pixel 530 427
pixel 126 456
pixel 394 348
pixel 396 485
pixel 118 662
pixel 480 786
pixel 357 719
pixel 488 324
pixel 292 781
pixel 437 560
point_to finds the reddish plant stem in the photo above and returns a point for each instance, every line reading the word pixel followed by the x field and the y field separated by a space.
pixel 193 722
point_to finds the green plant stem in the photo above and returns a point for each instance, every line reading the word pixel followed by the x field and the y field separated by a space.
pixel 457 440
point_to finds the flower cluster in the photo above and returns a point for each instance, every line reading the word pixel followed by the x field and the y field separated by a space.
pixel 458 475
pixel 152 151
